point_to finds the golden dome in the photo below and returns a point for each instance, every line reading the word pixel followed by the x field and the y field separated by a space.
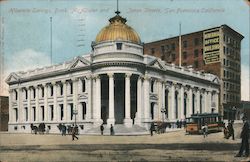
pixel 118 30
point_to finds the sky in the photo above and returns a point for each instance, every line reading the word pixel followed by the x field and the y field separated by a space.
pixel 26 37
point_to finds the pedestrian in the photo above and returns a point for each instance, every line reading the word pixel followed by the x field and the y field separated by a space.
pixel 205 130
pixel 230 130
pixel 63 130
pixel 74 130
pixel 152 128
pixel 244 136
pixel 112 130
pixel 102 128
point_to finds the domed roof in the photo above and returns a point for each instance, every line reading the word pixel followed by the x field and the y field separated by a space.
pixel 118 30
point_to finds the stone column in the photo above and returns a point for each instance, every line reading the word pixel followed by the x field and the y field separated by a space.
pixel 89 104
pixel 38 109
pixel 181 110
pixel 75 97
pixel 190 102
pixel 146 99
pixel 172 109
pixel 55 107
pixel 163 100
pixel 209 101
pixel 97 109
pixel 159 94
pixel 28 104
pixel 20 105
pixel 127 120
pixel 46 103
pixel 198 101
pixel 139 102
pixel 216 97
pixel 111 119
pixel 10 106
pixel 64 82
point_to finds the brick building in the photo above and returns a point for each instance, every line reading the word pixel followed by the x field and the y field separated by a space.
pixel 215 50
pixel 4 113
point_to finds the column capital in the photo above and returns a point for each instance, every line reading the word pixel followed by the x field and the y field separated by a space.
pixel 128 75
pixel 111 75
pixel 146 77
pixel 89 76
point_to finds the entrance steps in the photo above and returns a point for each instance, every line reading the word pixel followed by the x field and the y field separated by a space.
pixel 119 129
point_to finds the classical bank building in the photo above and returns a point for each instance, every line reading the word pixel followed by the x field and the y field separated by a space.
pixel 116 83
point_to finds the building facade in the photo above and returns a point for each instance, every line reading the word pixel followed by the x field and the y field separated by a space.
pixel 4 113
pixel 216 51
pixel 114 84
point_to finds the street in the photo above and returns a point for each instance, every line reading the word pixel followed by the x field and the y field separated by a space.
pixel 172 146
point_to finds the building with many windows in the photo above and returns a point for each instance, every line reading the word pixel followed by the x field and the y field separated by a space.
pixel 216 51
pixel 114 84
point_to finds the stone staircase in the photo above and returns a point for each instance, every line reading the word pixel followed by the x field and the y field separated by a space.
pixel 119 130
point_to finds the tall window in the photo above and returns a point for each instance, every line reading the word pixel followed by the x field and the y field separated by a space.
pixel 26 94
pixel 26 113
pixel 152 86
pixel 166 103
pixel 83 110
pixel 61 89
pixel 71 111
pixel 42 112
pixel 196 41
pixel 51 112
pixel 176 104
pixel 196 53
pixel 71 87
pixel 51 90
pixel 16 114
pixel 34 113
pixel 34 93
pixel 185 44
pixel 42 88
pixel 173 46
pixel 152 51
pixel 61 110
pixel 83 85
pixel 193 106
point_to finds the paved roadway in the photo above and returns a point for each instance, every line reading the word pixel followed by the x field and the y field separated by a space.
pixel 174 146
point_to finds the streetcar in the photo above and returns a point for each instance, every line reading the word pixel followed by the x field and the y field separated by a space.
pixel 196 121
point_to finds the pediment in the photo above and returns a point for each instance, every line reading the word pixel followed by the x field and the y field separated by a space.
pixel 157 64
pixel 13 77
pixel 79 62
pixel 216 80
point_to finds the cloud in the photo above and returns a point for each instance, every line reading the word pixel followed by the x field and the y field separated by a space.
pixel 245 89
pixel 21 61
pixel 26 59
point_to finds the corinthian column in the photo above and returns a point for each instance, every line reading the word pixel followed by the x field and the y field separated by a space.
pixel 139 102
pixel 97 112
pixel 127 120
pixel 89 104
pixel 55 107
pixel 198 99
pixel 111 119
pixel 146 98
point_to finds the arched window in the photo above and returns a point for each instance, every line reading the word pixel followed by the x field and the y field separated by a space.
pixel 152 86
pixel 176 104
pixel 83 85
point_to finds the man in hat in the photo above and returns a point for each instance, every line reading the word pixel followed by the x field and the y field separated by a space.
pixel 244 136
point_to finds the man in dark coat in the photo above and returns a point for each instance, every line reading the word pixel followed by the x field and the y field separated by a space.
pixel 102 128
pixel 152 128
pixel 231 130
pixel 74 130
pixel 112 130
pixel 244 136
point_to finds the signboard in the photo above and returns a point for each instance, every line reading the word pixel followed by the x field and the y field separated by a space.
pixel 211 46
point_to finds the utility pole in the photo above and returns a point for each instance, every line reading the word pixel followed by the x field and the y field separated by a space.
pixel 180 45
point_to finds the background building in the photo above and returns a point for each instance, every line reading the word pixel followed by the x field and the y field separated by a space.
pixel 4 113
pixel 215 50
